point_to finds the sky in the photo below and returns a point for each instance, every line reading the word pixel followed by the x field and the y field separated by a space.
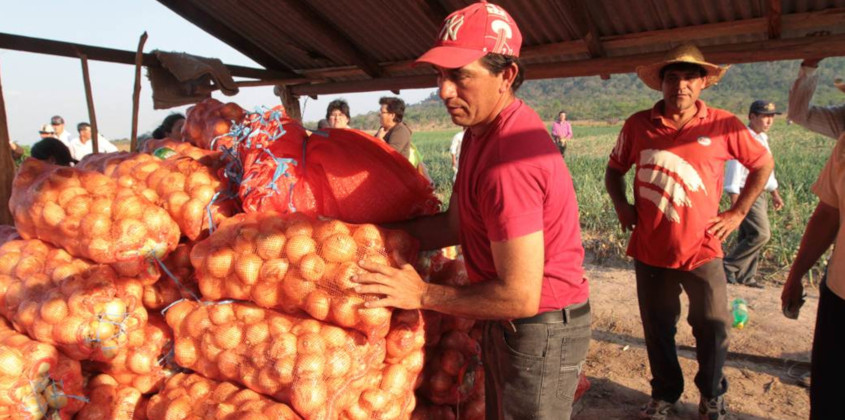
pixel 38 86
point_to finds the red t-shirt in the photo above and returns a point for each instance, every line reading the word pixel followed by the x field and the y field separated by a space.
pixel 513 182
pixel 678 183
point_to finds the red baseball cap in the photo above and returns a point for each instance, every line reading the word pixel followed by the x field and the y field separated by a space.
pixel 471 33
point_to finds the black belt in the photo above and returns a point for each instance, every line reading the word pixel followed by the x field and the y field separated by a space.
pixel 564 315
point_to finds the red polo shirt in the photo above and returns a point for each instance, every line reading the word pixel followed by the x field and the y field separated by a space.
pixel 513 182
pixel 678 183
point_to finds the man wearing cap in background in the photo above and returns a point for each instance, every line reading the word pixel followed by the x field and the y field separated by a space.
pixel 826 120
pixel 58 124
pixel 513 211
pixel 679 148
pixel 754 233
pixel 46 131
pixel 824 228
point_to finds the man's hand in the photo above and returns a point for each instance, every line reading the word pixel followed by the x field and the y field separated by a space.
pixel 627 215
pixel 400 287
pixel 792 296
pixel 725 223
pixel 777 201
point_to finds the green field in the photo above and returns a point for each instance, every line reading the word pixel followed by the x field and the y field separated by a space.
pixel 799 156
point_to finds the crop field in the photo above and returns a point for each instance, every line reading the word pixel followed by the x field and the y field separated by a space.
pixel 799 156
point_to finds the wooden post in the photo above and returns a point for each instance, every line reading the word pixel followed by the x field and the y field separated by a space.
pixel 290 102
pixel 136 93
pixel 7 166
pixel 95 134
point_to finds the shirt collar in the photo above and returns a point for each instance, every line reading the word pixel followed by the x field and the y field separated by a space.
pixel 657 110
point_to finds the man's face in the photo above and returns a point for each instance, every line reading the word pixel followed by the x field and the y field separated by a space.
pixel 760 123
pixel 45 135
pixel 85 133
pixel 176 132
pixel 471 93
pixel 386 117
pixel 59 128
pixel 681 89
pixel 562 116
pixel 337 119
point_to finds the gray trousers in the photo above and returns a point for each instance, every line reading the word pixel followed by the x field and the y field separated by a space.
pixel 658 292
pixel 532 373
pixel 754 233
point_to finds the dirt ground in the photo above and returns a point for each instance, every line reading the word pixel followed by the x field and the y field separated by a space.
pixel 767 367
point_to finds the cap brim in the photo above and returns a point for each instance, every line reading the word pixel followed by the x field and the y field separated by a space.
pixel 449 57
pixel 650 73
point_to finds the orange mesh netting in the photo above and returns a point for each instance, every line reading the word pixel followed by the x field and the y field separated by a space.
pixel 91 216
pixel 84 309
pixel 296 263
pixel 208 122
pixel 36 381
pixel 195 397
pixel 296 360
pixel 110 400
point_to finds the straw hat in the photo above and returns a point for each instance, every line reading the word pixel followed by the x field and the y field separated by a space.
pixel 839 84
pixel 686 53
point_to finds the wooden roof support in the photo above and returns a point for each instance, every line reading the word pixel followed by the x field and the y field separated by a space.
pixel 767 50
pixel 589 32
pixel 89 98
pixel 773 14
pixel 68 49
pixel 340 42
pixel 289 101
pixel 7 166
pixel 211 24
pixel 136 93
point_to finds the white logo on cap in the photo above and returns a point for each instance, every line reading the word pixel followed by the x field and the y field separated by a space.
pixel 496 10
pixel 449 32
pixel 504 33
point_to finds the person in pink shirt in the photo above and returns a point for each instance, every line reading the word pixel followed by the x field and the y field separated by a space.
pixel 561 132
pixel 514 212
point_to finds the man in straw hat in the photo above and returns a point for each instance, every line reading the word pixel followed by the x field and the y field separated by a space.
pixel 680 147
pixel 825 227
pixel 513 211
pixel 826 120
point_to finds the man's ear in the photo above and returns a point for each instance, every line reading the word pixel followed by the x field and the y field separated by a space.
pixel 508 76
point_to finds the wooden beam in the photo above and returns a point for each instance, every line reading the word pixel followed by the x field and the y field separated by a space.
pixel 224 32
pixel 339 42
pixel 89 98
pixel 811 21
pixel 7 166
pixel 289 101
pixel 68 49
pixel 766 50
pixel 588 31
pixel 434 10
pixel 685 34
pixel 773 15
pixel 136 93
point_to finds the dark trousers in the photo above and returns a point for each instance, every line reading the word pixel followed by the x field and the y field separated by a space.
pixel 828 358
pixel 532 373
pixel 754 233
pixel 658 292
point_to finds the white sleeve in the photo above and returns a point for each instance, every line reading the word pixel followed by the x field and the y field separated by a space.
pixel 828 121
pixel 732 177
pixel 108 147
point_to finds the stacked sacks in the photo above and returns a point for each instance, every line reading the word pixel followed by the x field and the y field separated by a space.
pixel 109 400
pixel 36 381
pixel 195 397
pixel 297 263
pixel 84 309
pixel 91 216
pixel 208 123
pixel 296 360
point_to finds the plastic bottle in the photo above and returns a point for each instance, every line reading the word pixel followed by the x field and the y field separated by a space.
pixel 740 313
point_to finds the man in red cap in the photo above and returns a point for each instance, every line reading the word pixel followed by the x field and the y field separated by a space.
pixel 514 212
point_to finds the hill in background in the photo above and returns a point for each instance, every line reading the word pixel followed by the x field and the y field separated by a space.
pixel 590 98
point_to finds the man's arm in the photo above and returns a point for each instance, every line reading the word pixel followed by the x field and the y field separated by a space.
pixel 726 222
pixel 514 293
pixel 436 231
pixel 614 183
pixel 818 236
pixel 828 121
pixel 400 140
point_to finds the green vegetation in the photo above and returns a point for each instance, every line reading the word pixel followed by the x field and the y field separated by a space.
pixel 799 156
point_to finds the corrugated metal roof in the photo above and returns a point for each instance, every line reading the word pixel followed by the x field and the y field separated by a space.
pixel 338 43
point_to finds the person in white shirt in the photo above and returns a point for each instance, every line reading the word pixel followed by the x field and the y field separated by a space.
pixel 825 120
pixel 83 146
pixel 455 151
pixel 754 232
pixel 59 131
